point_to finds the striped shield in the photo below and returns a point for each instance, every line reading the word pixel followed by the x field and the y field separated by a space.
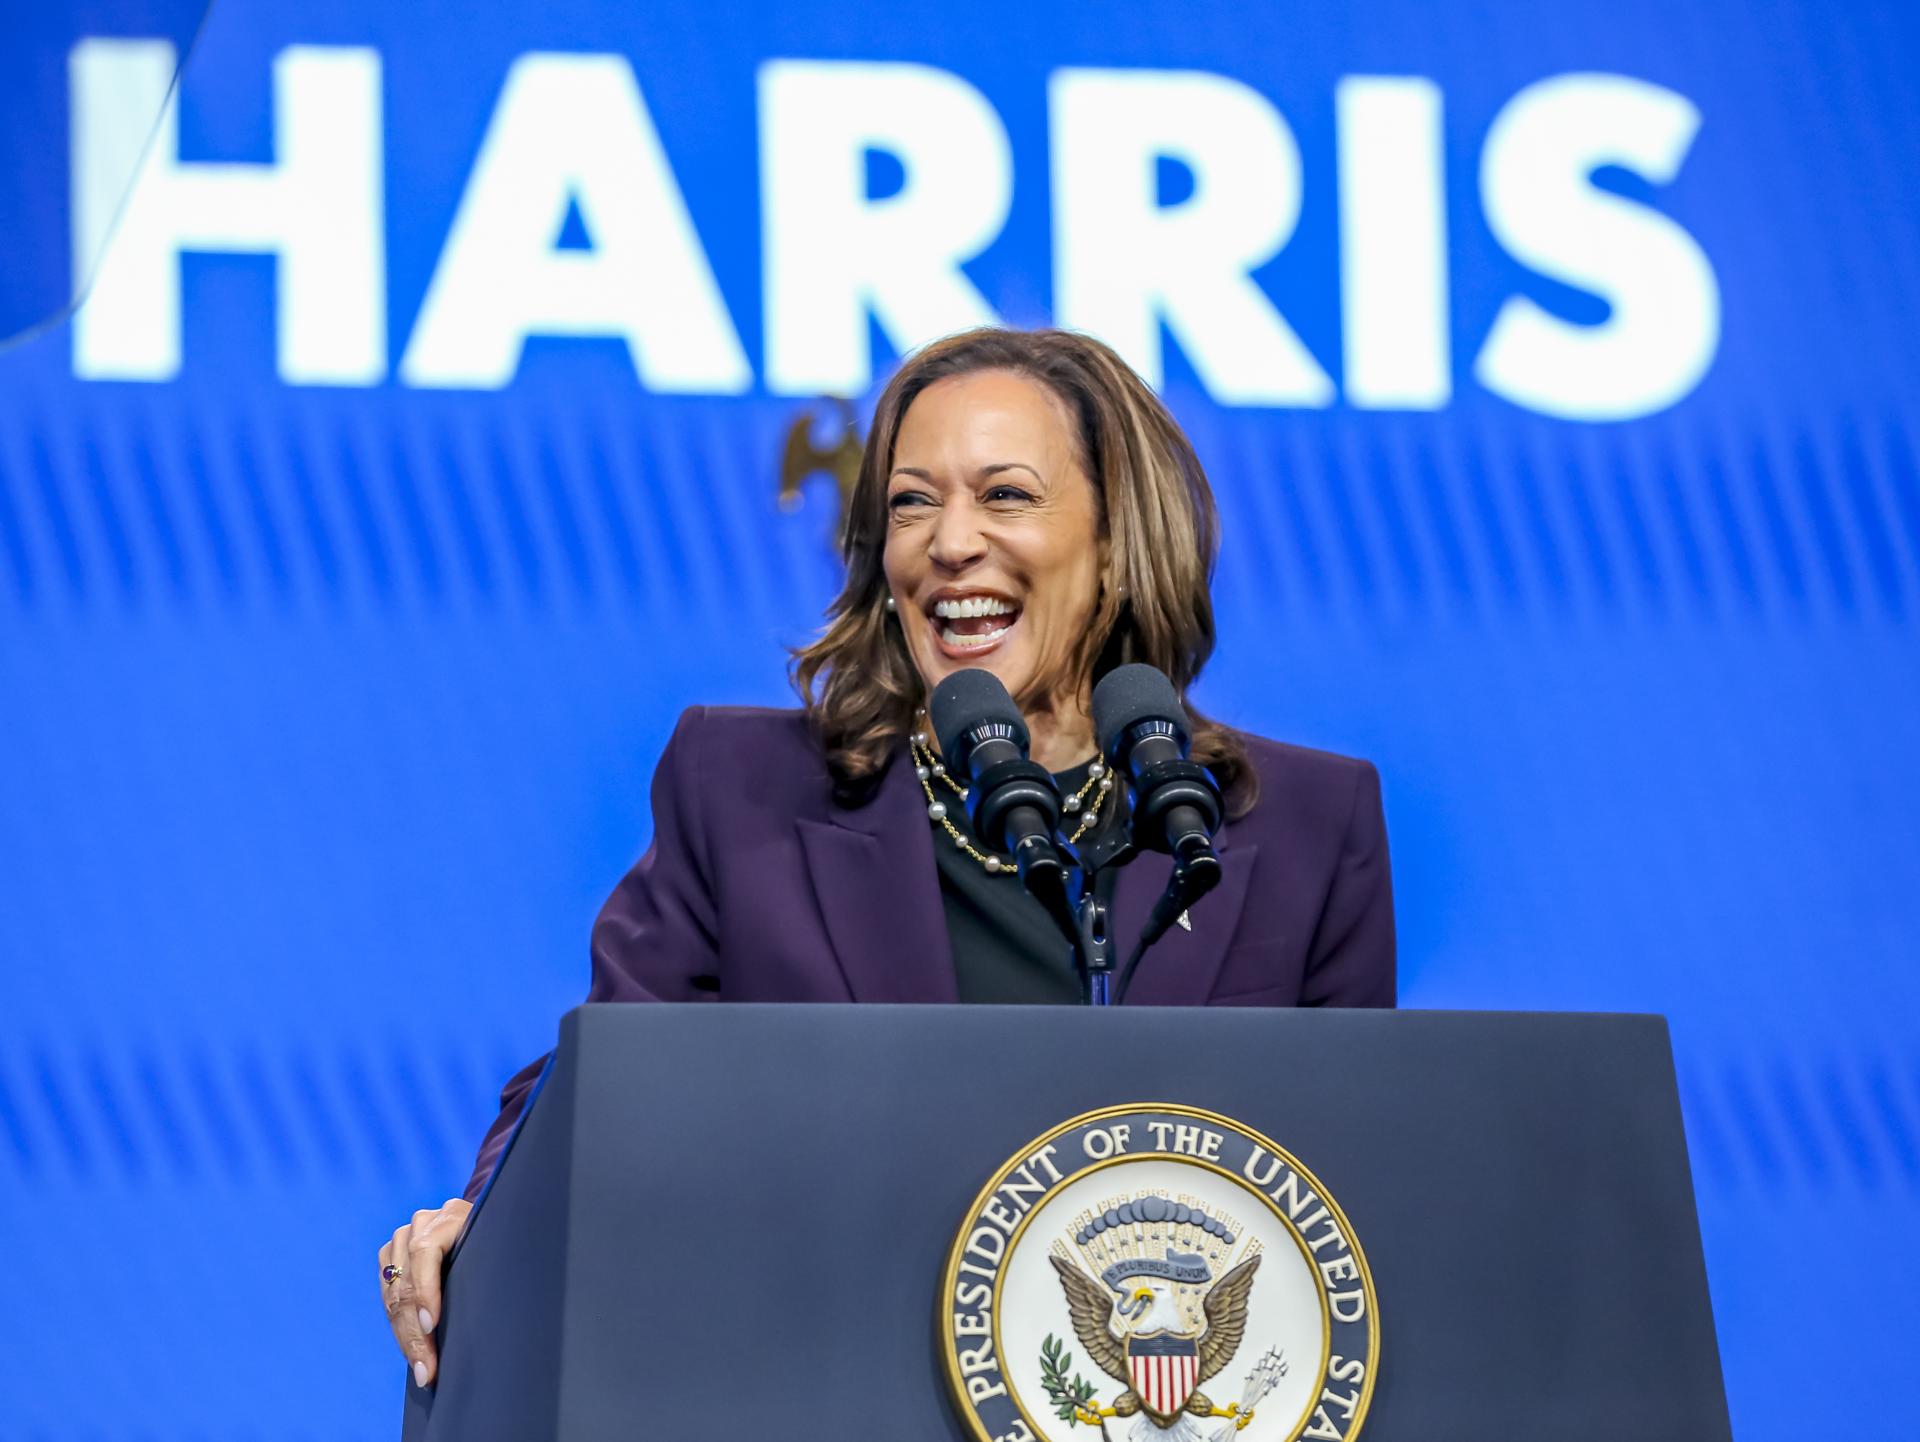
pixel 1165 1370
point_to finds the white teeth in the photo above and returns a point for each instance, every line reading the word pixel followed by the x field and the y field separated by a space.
pixel 971 606
pixel 954 638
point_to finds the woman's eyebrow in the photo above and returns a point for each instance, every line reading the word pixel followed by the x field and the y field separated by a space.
pixel 989 470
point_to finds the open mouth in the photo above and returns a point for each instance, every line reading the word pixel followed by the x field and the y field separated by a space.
pixel 972 623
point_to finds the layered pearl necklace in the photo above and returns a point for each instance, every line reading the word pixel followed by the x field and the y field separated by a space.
pixel 930 769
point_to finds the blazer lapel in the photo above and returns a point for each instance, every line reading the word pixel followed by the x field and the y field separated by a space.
pixel 873 874
pixel 1180 968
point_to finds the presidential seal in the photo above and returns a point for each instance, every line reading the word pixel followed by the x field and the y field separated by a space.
pixel 1153 1273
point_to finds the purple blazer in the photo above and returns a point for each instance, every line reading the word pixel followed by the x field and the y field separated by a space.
pixel 760 887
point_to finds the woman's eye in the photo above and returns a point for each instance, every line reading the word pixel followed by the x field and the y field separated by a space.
pixel 900 500
pixel 1008 493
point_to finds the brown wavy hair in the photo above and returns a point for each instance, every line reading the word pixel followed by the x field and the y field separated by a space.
pixel 1155 509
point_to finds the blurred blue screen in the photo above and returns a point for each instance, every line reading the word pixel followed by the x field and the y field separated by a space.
pixel 413 462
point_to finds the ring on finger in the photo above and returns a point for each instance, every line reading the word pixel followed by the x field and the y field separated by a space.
pixel 392 1272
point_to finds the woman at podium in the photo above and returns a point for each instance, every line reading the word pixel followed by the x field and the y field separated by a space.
pixel 1025 505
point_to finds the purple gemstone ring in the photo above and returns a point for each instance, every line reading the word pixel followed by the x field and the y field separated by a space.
pixel 391 1273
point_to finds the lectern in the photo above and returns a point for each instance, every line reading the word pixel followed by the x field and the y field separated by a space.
pixel 815 1222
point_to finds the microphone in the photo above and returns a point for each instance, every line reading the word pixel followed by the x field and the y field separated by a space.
pixel 1143 733
pixel 1013 801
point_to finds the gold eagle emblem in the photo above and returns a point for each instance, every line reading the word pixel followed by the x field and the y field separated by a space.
pixel 1152 1305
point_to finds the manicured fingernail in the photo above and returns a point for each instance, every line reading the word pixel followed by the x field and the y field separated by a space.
pixel 419 1374
pixel 426 1321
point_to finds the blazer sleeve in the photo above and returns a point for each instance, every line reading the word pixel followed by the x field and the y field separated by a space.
pixel 657 936
pixel 1350 961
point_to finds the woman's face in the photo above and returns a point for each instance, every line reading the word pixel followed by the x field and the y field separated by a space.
pixel 993 552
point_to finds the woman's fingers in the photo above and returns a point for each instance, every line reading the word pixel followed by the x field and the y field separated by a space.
pixel 416 1253
pixel 432 1237
pixel 403 1308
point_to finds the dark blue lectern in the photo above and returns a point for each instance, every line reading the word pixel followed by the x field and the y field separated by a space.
pixel 733 1220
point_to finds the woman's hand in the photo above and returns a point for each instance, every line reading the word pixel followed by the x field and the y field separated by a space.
pixel 410 1282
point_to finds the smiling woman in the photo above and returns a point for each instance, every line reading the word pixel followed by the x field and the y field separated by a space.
pixel 1033 473
pixel 1025 505
pixel 997 562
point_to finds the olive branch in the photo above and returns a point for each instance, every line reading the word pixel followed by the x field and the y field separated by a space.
pixel 1067 1396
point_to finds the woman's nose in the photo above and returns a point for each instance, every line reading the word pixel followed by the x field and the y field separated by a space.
pixel 957 538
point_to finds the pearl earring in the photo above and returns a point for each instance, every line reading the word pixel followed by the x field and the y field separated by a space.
pixel 891 606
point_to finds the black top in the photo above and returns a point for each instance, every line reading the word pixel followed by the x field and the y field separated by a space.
pixel 1006 949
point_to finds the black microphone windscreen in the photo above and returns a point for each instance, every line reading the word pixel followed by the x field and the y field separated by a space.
pixel 1128 695
pixel 965 700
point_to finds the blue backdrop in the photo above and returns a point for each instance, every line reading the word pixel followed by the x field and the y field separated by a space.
pixel 350 582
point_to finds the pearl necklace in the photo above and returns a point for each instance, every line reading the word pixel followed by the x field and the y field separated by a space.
pixel 929 769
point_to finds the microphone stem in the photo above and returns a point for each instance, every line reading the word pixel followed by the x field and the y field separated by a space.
pixel 1095 945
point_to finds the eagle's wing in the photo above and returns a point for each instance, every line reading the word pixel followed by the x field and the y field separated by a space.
pixel 799 459
pixel 1090 1306
pixel 1226 1317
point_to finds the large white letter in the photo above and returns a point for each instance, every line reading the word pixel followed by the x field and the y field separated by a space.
pixel 1534 183
pixel 1393 243
pixel 317 208
pixel 1123 262
pixel 573 130
pixel 833 256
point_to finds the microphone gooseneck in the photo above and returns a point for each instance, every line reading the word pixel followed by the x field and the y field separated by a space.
pixel 1012 801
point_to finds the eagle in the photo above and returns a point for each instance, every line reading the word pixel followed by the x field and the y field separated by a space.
pixel 1094 1309
pixel 802 457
